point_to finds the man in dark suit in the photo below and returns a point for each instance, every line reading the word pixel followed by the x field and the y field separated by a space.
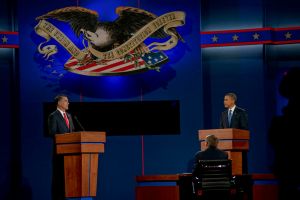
pixel 233 116
pixel 59 122
pixel 212 152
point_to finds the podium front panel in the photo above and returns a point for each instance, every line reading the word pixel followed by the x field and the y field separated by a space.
pixel 80 151
pixel 81 175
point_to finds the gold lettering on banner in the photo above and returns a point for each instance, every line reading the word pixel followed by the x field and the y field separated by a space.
pixel 47 30
pixel 168 20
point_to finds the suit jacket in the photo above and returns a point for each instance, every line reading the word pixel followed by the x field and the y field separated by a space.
pixel 209 154
pixel 57 124
pixel 239 119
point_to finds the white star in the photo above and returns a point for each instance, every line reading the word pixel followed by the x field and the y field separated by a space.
pixel 149 57
pixel 288 35
pixel 4 39
pixel 149 62
pixel 215 38
pixel 256 36
pixel 235 37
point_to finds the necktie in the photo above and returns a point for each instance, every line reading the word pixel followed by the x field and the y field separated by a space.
pixel 66 119
pixel 229 117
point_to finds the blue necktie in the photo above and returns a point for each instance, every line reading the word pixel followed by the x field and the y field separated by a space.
pixel 229 117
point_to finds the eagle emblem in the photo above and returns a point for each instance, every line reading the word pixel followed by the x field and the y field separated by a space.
pixel 114 47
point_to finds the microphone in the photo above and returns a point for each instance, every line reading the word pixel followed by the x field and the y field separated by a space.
pixel 75 117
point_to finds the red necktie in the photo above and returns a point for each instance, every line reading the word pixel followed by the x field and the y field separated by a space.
pixel 66 119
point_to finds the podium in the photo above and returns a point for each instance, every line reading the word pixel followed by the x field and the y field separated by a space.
pixel 80 151
pixel 235 142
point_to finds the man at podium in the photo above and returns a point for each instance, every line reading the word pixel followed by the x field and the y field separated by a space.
pixel 233 116
pixel 59 122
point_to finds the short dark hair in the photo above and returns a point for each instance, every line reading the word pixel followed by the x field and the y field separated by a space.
pixel 59 97
pixel 232 95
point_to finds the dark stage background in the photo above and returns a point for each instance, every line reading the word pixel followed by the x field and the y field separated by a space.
pixel 197 78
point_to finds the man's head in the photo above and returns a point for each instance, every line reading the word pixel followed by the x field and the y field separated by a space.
pixel 62 102
pixel 229 100
pixel 211 141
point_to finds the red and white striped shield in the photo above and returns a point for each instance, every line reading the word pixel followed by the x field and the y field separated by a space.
pixel 117 66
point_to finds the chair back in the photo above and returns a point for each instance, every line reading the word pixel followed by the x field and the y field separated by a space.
pixel 212 176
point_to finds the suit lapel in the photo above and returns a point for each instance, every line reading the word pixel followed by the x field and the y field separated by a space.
pixel 232 118
pixel 229 125
pixel 62 119
pixel 225 119
pixel 235 115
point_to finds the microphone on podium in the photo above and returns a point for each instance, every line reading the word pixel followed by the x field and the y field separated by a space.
pixel 75 117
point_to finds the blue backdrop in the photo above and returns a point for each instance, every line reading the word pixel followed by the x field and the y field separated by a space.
pixel 179 79
pixel 198 78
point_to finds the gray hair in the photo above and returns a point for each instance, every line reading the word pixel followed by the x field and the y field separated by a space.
pixel 59 97
pixel 212 140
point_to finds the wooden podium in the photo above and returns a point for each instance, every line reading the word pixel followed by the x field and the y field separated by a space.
pixel 235 142
pixel 80 151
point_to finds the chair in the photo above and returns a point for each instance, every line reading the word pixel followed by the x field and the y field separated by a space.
pixel 212 179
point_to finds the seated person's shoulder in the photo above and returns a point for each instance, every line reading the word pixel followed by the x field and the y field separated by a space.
pixel 198 153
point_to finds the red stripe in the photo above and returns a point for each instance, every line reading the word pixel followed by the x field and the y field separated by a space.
pixel 128 67
pixel 108 66
pixel 286 42
pixel 235 44
pixel 250 30
pixel 287 28
pixel 9 46
pixel 71 64
pixel 143 155
pixel 87 66
pixel 9 32
pixel 111 66
pixel 235 31
pixel 103 66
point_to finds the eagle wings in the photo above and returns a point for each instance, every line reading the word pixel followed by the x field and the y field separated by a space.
pixel 105 36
